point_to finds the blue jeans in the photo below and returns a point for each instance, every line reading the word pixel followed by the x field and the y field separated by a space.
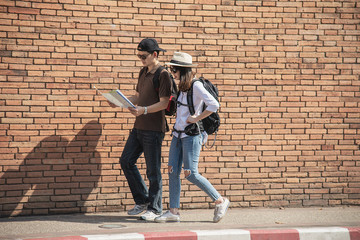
pixel 187 151
pixel 149 143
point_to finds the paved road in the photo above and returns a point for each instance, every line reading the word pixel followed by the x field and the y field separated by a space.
pixel 115 224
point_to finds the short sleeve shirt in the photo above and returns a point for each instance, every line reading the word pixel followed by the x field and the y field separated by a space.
pixel 149 96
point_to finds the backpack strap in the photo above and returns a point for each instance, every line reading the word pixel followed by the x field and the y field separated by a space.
pixel 190 99
pixel 156 81
pixel 190 104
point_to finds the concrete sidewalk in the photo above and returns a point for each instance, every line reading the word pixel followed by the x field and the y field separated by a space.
pixel 339 223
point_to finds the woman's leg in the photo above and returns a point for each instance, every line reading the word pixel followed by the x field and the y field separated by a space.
pixel 175 167
pixel 191 153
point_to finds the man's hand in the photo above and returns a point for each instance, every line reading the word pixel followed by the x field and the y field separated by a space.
pixel 112 105
pixel 137 111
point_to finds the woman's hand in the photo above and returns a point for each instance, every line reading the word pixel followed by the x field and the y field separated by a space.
pixel 191 119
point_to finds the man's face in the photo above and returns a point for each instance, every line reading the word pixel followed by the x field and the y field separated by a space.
pixel 146 58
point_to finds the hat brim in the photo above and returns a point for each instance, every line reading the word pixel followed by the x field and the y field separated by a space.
pixel 146 50
pixel 160 49
pixel 180 65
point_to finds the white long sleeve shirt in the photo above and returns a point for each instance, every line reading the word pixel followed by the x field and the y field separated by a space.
pixel 200 96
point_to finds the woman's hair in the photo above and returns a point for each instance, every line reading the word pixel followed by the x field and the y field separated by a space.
pixel 186 76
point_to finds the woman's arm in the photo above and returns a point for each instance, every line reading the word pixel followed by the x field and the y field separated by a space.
pixel 204 114
pixel 211 104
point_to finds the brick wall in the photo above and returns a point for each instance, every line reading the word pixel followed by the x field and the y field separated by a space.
pixel 287 71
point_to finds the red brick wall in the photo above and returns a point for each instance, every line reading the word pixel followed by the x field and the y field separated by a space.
pixel 287 71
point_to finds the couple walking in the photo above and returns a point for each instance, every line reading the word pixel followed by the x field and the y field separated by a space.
pixel 149 130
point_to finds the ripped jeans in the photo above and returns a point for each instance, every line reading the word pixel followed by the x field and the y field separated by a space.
pixel 187 150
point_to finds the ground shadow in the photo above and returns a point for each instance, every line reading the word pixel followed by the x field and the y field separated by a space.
pixel 76 218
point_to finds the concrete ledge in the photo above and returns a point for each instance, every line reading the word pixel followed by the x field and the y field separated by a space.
pixel 316 233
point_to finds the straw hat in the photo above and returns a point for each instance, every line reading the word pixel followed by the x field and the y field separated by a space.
pixel 181 59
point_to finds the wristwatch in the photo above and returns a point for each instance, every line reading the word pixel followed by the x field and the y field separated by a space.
pixel 145 110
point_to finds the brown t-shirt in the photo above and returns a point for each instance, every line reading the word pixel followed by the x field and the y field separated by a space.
pixel 149 96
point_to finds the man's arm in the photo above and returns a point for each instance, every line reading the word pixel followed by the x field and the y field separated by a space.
pixel 161 105
pixel 134 98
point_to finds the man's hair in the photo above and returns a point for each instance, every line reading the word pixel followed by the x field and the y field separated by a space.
pixel 158 52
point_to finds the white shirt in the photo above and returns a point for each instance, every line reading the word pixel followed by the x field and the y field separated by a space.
pixel 200 96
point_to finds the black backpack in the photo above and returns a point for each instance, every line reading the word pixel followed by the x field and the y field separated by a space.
pixel 211 123
pixel 171 108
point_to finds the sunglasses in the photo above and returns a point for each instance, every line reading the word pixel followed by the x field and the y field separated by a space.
pixel 174 70
pixel 143 57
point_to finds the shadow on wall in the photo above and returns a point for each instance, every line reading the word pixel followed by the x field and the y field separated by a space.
pixel 57 176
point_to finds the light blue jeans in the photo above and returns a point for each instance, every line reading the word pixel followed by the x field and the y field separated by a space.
pixel 187 151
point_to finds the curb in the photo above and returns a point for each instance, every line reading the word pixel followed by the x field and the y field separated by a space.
pixel 315 233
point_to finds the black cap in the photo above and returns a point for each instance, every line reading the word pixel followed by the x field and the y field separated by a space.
pixel 149 45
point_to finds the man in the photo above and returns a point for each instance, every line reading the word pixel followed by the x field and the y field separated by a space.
pixel 148 133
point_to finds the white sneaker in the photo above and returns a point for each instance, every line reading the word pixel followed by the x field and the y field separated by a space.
pixel 149 216
pixel 168 217
pixel 137 209
pixel 220 210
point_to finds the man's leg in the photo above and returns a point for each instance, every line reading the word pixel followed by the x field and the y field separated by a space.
pixel 152 142
pixel 132 151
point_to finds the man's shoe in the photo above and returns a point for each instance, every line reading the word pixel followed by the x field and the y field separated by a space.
pixel 168 217
pixel 137 209
pixel 220 210
pixel 149 216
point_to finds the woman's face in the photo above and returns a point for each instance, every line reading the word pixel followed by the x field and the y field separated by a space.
pixel 175 72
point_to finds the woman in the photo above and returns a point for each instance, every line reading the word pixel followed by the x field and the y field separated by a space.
pixel 187 140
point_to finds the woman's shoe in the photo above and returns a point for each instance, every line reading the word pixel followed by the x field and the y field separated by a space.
pixel 168 217
pixel 149 216
pixel 220 210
